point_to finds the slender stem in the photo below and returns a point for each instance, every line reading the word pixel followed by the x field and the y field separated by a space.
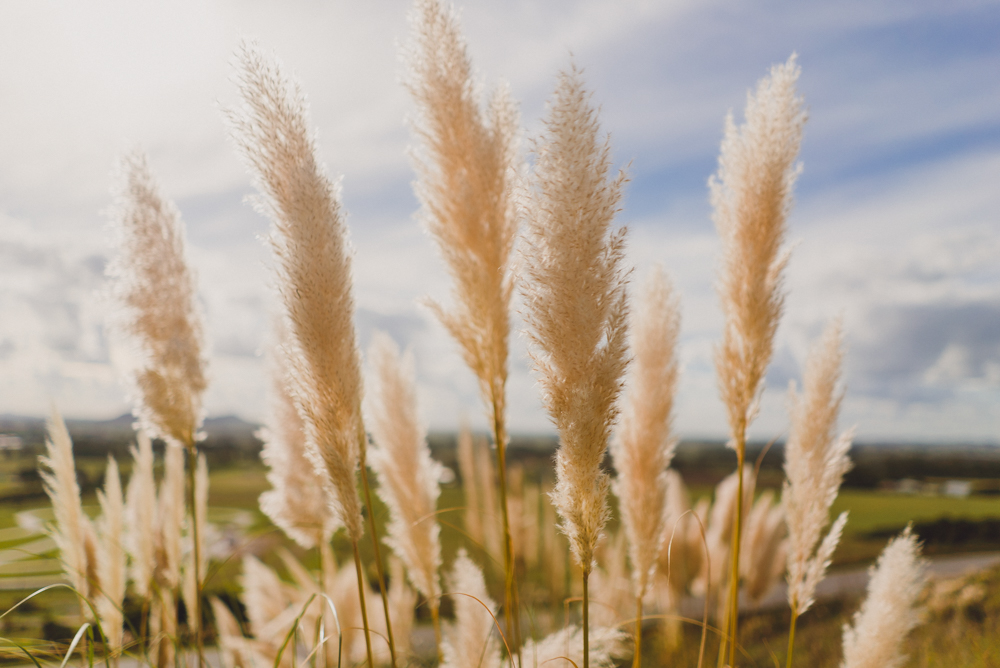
pixel 791 639
pixel 364 609
pixel 637 658
pixel 195 615
pixel 511 604
pixel 326 569
pixel 375 544
pixel 586 620
pixel 436 620
pixel 734 573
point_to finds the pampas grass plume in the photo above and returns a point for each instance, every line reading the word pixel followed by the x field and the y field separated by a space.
pixel 141 517
pixel 889 613
pixel 408 476
pixel 752 195
pixel 73 533
pixel 158 313
pixel 298 502
pixel 470 640
pixel 313 269
pixel 466 166
pixel 111 547
pixel 645 445
pixel 575 304
pixel 815 463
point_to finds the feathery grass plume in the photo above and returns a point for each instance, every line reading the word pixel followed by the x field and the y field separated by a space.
pixel 764 547
pixel 470 640
pixel 141 517
pixel 190 588
pixel 408 476
pixel 309 238
pixel 171 517
pixel 751 196
pixel 73 532
pixel 298 501
pixel 470 486
pixel 576 309
pixel 112 555
pixel 555 550
pixel 313 277
pixel 889 612
pixel 402 602
pixel 644 446
pixel 562 648
pixel 465 181
pixel 236 651
pixel 815 463
pixel 159 317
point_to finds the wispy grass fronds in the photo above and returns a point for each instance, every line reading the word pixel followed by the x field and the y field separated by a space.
pixel 141 517
pixel 112 555
pixel 470 641
pixel 313 276
pixel 73 533
pixel 298 501
pixel 816 460
pixel 645 444
pixel 752 196
pixel 409 479
pixel 171 517
pixel 402 603
pixel 466 164
pixel 312 265
pixel 158 315
pixel 576 310
pixel 470 486
pixel 890 612
pixel 765 547
pixel 562 648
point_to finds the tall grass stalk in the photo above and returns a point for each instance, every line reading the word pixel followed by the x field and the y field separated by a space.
pixel 313 276
pixel 466 165
pixel 752 195
pixel 645 445
pixel 408 477
pixel 816 460
pixel 576 310
pixel 161 326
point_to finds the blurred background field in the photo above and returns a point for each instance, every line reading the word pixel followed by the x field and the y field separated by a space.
pixel 951 493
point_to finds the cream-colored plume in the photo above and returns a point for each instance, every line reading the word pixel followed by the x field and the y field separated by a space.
pixel 298 502
pixel 470 641
pixel 752 197
pixel 644 446
pixel 564 648
pixel 171 517
pixel 764 546
pixel 470 485
pixel 73 532
pixel 312 266
pixel 816 460
pixel 141 517
pixel 402 604
pixel 111 548
pixel 409 479
pixel 575 304
pixel 890 612
pixel 158 317
pixel 466 165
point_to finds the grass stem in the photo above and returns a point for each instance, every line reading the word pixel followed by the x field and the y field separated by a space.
pixel 378 551
pixel 194 616
pixel 586 619
pixel 361 597
pixel 791 639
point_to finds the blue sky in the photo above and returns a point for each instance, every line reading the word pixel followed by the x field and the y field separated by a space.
pixel 896 228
